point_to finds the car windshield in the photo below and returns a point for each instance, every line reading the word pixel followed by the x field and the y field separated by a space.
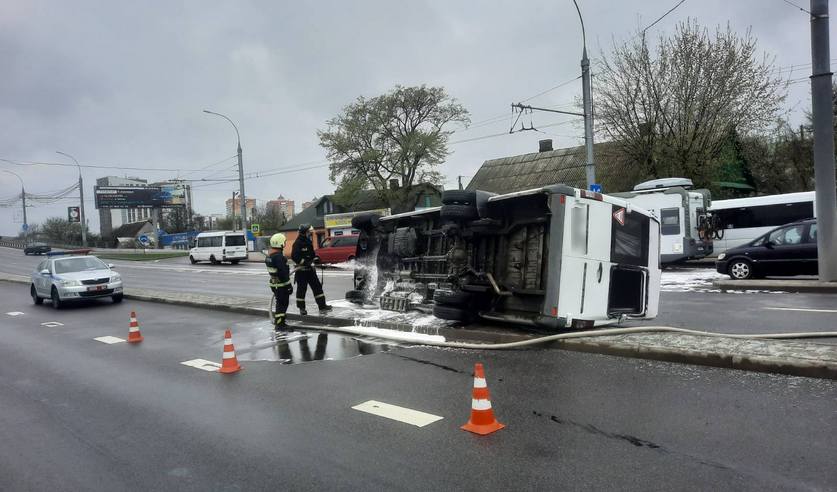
pixel 79 264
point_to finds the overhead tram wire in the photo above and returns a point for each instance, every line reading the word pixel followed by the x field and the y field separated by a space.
pixel 20 162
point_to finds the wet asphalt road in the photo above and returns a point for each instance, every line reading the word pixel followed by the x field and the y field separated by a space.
pixel 696 308
pixel 77 414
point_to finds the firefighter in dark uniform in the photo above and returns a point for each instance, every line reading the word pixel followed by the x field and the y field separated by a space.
pixel 303 255
pixel 280 279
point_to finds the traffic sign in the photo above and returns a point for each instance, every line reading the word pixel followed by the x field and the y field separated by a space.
pixel 255 228
pixel 619 216
pixel 143 239
pixel 73 214
pixel 25 227
pixel 596 187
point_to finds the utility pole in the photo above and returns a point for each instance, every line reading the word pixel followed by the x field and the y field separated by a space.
pixel 240 170
pixel 22 198
pixel 232 209
pixel 460 181
pixel 587 101
pixel 823 119
pixel 81 199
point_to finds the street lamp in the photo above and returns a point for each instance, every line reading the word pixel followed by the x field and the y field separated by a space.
pixel 587 100
pixel 80 198
pixel 22 197
pixel 240 170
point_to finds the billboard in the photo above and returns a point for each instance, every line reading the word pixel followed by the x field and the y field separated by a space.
pixel 128 197
pixel 336 221
pixel 173 195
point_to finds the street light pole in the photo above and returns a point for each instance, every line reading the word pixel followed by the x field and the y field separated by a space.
pixel 587 101
pixel 23 198
pixel 823 119
pixel 80 198
pixel 240 171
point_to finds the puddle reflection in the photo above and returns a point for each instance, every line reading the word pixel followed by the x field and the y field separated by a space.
pixel 299 347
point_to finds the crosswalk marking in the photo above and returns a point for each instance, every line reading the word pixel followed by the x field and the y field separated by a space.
pixel 203 364
pixel 109 339
pixel 394 412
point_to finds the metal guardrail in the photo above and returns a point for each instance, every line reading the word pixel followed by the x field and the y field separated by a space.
pixel 12 244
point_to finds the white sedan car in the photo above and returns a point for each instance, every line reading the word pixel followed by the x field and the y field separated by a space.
pixel 72 278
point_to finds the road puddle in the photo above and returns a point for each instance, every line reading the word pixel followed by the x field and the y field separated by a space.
pixel 296 347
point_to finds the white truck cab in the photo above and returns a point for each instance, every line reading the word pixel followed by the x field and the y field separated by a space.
pixel 218 246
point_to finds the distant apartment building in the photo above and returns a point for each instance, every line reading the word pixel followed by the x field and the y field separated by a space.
pixel 283 205
pixel 234 207
pixel 308 204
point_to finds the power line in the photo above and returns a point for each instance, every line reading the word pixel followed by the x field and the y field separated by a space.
pixel 797 6
pixel 18 162
pixel 562 84
pixel 663 16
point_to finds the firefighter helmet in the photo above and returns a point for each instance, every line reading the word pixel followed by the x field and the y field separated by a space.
pixel 304 228
pixel 277 240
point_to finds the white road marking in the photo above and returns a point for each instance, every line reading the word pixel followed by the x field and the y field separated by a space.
pixel 803 309
pixel 52 324
pixel 15 313
pixel 202 364
pixel 109 339
pixel 394 412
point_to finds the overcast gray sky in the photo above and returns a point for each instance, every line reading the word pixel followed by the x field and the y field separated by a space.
pixel 123 83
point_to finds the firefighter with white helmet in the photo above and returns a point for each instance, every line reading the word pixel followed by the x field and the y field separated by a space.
pixel 303 255
pixel 280 279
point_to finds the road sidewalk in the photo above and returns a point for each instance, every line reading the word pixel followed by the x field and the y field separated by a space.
pixel 777 285
pixel 792 357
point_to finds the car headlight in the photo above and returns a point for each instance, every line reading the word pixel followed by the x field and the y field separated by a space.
pixel 722 256
pixel 116 277
pixel 69 283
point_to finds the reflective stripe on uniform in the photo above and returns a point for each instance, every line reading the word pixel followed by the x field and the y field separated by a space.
pixel 280 284
pixel 319 295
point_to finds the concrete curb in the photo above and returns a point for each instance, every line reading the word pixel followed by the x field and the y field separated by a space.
pixel 804 359
pixel 777 285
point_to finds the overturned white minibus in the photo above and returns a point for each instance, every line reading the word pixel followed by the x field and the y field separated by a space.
pixel 554 257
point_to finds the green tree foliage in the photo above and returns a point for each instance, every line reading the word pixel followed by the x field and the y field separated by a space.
pixel 269 218
pixel 671 109
pixel 59 231
pixel 176 220
pixel 401 135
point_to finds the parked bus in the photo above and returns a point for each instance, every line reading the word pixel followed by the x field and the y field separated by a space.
pixel 681 210
pixel 554 258
pixel 744 219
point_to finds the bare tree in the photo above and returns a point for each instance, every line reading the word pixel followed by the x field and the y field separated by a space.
pixel 671 109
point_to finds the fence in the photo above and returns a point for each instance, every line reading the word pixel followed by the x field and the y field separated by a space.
pixel 12 243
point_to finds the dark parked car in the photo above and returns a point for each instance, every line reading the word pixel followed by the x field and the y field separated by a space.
pixel 787 250
pixel 36 249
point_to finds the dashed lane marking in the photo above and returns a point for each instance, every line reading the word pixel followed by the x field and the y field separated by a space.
pixel 15 313
pixel 202 364
pixel 394 412
pixel 808 310
pixel 52 324
pixel 109 339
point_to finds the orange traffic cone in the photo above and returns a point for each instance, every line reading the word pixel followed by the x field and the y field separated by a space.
pixel 229 364
pixel 482 419
pixel 134 335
